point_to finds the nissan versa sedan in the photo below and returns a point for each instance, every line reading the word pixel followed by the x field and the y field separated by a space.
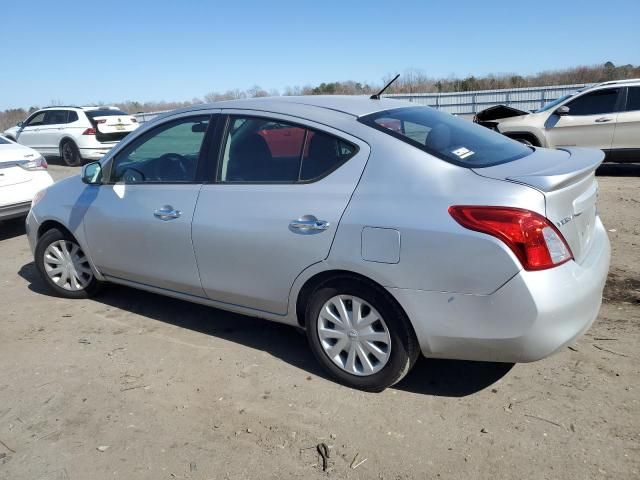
pixel 383 229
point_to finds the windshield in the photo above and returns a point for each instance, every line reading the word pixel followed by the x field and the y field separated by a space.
pixel 4 141
pixel 550 105
pixel 449 138
pixel 104 113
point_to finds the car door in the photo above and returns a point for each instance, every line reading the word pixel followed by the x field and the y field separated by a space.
pixel 273 209
pixel 29 133
pixel 590 122
pixel 51 131
pixel 138 226
pixel 626 138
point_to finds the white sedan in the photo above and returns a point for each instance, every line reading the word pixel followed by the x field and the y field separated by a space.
pixel 23 173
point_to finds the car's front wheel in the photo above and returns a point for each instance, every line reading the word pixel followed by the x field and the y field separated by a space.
pixel 359 334
pixel 70 153
pixel 63 265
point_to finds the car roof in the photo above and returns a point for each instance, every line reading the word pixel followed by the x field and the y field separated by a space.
pixel 75 107
pixel 355 106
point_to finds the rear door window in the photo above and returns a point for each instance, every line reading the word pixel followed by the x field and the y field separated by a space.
pixel 595 103
pixel 449 138
pixel 633 99
pixel 262 150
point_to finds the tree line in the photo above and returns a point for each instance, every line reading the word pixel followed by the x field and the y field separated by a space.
pixel 411 81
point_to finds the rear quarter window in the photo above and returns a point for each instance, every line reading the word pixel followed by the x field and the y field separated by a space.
pixel 449 138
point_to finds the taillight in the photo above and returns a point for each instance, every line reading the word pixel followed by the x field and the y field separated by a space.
pixel 536 242
pixel 134 120
pixel 38 163
pixel 104 120
pixel 89 131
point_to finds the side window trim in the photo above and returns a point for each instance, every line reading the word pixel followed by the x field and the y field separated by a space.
pixel 150 133
pixel 223 137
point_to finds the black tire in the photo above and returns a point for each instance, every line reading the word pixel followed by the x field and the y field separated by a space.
pixel 70 154
pixel 404 344
pixel 48 238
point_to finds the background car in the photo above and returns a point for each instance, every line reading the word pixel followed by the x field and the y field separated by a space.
pixel 381 228
pixel 605 116
pixel 74 133
pixel 23 173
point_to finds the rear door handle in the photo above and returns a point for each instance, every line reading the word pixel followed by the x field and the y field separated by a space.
pixel 603 119
pixel 308 224
pixel 167 213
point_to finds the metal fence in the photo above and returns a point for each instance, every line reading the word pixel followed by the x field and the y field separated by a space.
pixel 468 103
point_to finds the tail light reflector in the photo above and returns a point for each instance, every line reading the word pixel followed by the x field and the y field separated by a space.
pixel 536 241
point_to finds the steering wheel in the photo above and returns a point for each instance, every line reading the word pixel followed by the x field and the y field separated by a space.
pixel 133 175
pixel 172 166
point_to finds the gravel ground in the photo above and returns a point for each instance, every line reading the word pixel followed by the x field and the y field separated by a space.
pixel 137 386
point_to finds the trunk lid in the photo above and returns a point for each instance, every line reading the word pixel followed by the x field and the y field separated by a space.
pixel 11 156
pixel 113 128
pixel 566 177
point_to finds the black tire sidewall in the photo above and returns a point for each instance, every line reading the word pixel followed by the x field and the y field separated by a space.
pixel 403 344
pixel 76 153
pixel 49 237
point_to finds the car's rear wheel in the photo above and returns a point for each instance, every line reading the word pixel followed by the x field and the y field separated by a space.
pixel 64 267
pixel 70 153
pixel 359 334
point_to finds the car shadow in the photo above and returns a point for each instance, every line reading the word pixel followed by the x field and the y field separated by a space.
pixel 446 378
pixel 619 170
pixel 12 228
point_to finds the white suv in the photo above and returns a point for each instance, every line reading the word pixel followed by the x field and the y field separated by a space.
pixel 75 133
pixel 604 116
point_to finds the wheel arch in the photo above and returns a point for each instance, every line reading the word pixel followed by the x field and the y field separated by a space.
pixel 532 137
pixel 64 139
pixel 51 224
pixel 312 282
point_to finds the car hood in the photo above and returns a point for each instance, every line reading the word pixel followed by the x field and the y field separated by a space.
pixel 498 112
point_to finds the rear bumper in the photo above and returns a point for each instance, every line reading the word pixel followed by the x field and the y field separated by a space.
pixel 95 153
pixel 530 317
pixel 15 210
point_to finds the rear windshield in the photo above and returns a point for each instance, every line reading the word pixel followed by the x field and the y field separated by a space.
pixel 4 141
pixel 104 113
pixel 449 138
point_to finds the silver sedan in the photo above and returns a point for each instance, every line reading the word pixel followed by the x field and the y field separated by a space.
pixel 385 230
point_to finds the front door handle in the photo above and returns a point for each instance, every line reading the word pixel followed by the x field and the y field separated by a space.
pixel 167 213
pixel 308 224
pixel 603 119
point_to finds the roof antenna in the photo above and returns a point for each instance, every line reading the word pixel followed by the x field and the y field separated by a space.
pixel 377 95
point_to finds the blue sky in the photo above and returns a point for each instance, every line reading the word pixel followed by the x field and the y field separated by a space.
pixel 83 52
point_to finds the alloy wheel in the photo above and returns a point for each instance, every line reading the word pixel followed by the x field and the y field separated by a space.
pixel 354 335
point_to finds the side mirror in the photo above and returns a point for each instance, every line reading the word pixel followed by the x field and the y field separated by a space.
pixel 561 111
pixel 19 124
pixel 199 127
pixel 92 173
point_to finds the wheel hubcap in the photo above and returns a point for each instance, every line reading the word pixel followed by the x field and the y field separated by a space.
pixel 354 335
pixel 67 266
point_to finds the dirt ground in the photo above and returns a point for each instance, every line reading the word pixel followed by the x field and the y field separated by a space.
pixel 133 385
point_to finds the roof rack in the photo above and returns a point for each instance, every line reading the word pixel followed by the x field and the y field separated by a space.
pixel 616 82
pixel 60 106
